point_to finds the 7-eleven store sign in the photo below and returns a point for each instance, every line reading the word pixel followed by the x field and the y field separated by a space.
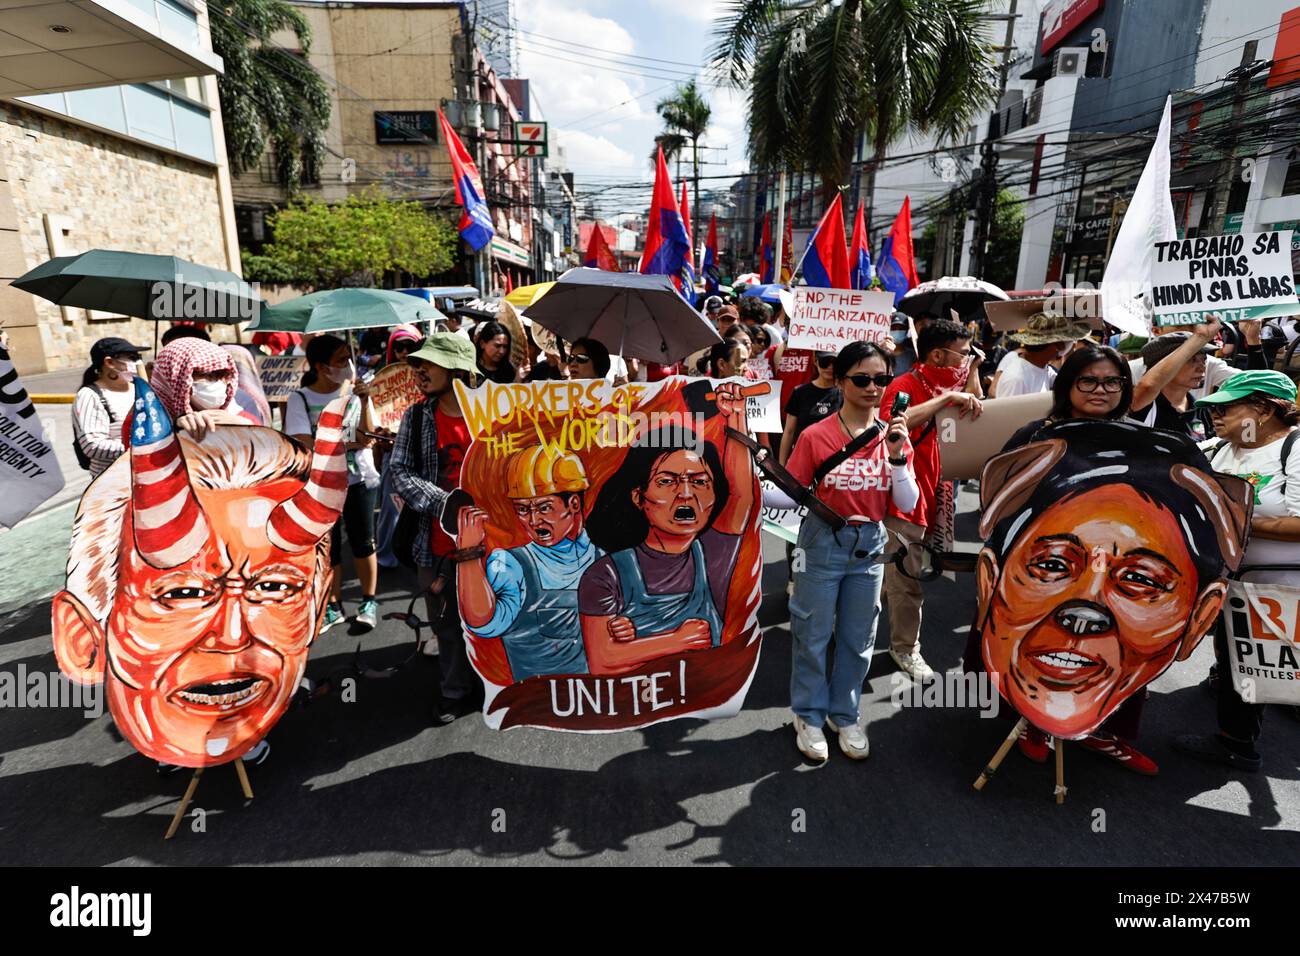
pixel 532 139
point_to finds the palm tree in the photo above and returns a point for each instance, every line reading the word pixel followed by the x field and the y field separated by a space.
pixel 686 117
pixel 823 74
pixel 268 92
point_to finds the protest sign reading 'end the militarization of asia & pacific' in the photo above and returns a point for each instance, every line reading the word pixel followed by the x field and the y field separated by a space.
pixel 1235 277
pixel 825 320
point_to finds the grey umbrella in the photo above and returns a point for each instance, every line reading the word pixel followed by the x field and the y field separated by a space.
pixel 633 315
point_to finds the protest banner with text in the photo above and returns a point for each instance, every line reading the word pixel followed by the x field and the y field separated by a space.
pixel 29 469
pixel 392 392
pixel 825 320
pixel 280 375
pixel 1235 277
pixel 586 496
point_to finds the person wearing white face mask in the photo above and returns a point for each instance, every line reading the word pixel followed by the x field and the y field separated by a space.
pixel 330 370
pixel 103 403
pixel 196 382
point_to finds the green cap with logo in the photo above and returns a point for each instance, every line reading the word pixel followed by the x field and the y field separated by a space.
pixel 1257 382
pixel 450 350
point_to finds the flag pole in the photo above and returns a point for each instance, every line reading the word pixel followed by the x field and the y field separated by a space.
pixel 778 254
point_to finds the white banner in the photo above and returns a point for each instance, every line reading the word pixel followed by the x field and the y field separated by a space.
pixel 763 412
pixel 29 469
pixel 782 522
pixel 1261 623
pixel 1232 276
pixel 825 320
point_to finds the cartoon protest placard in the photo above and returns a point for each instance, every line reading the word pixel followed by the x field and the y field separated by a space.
pixel 392 391
pixel 1262 621
pixel 782 523
pixel 1107 547
pixel 1235 277
pixel 29 469
pixel 763 406
pixel 611 560
pixel 825 319
pixel 198 575
pixel 280 375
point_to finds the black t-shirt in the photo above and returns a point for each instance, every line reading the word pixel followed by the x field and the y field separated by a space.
pixel 1195 423
pixel 810 403
pixel 504 375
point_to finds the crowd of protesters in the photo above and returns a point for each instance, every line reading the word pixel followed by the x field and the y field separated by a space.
pixel 1210 383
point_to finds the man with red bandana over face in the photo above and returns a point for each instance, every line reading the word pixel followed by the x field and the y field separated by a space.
pixel 941 378
pixel 1104 563
pixel 197 579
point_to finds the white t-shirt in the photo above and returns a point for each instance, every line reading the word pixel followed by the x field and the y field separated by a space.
pixel 1277 495
pixel 1217 371
pixel 302 412
pixel 1024 378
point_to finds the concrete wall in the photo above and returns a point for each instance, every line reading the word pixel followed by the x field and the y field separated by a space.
pixel 70 189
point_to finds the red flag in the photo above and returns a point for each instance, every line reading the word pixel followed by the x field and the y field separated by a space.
pixel 667 246
pixel 787 249
pixel 712 278
pixel 685 205
pixel 825 262
pixel 766 252
pixel 860 269
pixel 510 284
pixel 599 255
pixel 476 220
pixel 896 266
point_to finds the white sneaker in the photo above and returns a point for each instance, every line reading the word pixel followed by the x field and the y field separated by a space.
pixel 853 741
pixel 810 740
pixel 914 666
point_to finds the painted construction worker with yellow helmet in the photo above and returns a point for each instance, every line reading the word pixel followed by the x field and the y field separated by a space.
pixel 528 596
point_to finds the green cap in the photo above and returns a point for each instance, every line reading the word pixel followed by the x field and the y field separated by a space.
pixel 450 350
pixel 1257 382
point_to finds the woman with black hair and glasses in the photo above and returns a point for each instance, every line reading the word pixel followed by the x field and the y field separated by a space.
pixel 836 577
pixel 1094 382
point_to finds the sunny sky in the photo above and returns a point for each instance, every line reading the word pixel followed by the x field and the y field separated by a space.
pixel 598 69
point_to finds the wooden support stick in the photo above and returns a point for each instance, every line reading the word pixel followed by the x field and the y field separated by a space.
pixel 185 802
pixel 242 772
pixel 1001 754
pixel 1059 743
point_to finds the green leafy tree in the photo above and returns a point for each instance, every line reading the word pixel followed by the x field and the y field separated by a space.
pixel 268 94
pixel 824 73
pixel 686 117
pixel 356 242
pixel 1003 256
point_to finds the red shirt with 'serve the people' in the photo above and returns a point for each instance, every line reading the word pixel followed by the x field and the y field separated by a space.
pixel 859 485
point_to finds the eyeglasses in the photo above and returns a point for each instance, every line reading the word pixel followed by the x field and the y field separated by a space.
pixel 826 361
pixel 576 359
pixel 1089 383
pixel 862 381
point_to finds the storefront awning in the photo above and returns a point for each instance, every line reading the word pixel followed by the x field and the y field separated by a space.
pixel 507 251
pixel 52 47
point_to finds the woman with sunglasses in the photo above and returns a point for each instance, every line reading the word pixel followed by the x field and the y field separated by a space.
pixel 1256 420
pixel 836 578
pixel 588 359
pixel 1094 382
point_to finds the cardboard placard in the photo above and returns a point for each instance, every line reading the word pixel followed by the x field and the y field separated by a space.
pixel 965 444
pixel 557 471
pixel 824 320
pixel 1261 621
pixel 1235 277
pixel 29 469
pixel 280 375
pixel 392 391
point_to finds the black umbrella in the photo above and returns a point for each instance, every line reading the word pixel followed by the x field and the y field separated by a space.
pixel 633 315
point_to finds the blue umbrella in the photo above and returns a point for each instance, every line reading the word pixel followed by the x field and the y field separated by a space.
pixel 768 293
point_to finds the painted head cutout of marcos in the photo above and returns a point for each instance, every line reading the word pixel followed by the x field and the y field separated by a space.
pixel 197 578
pixel 1104 562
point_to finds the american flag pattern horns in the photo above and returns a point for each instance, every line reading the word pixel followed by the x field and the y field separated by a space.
pixel 299 522
pixel 169 524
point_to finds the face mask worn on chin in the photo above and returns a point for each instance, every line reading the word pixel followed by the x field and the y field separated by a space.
pixel 946 378
pixel 207 395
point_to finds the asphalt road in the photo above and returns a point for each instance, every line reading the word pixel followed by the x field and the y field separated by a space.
pixel 372 782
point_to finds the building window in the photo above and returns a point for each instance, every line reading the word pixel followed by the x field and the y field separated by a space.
pixel 142 111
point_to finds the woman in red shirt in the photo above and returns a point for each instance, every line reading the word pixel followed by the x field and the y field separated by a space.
pixel 836 577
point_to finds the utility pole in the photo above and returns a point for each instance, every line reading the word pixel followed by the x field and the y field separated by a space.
pixel 986 192
pixel 1228 174
pixel 777 250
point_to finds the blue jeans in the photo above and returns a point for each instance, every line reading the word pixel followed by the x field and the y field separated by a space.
pixel 836 593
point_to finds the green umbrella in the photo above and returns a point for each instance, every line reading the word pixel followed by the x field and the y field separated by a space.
pixel 146 286
pixel 337 310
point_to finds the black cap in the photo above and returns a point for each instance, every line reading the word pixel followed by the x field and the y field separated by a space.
pixel 110 346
